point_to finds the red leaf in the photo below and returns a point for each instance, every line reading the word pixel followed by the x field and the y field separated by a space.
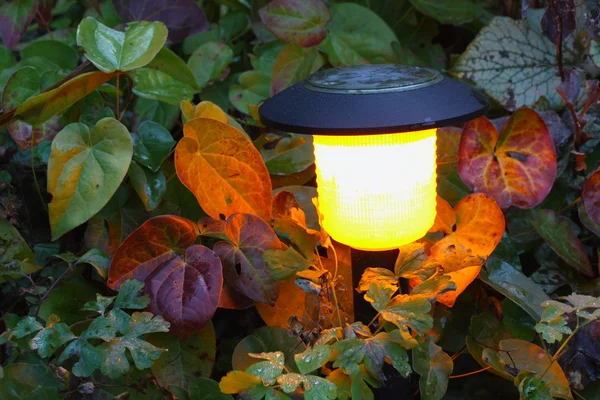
pixel 517 167
pixel 15 17
pixel 591 196
pixel 186 290
pixel 242 257
pixel 299 21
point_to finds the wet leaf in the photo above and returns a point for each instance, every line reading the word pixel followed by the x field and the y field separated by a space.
pixel 315 388
pixel 479 228
pixel 22 85
pixel 150 186
pixel 156 111
pixel 110 50
pixel 301 22
pixel 40 108
pixel 485 331
pixel 182 17
pixel 357 36
pixel 50 338
pixel 380 284
pixel 518 355
pixel 407 311
pixel 434 366
pixel 15 17
pixel 294 64
pixel 185 359
pixel 223 170
pixel 286 154
pixel 557 232
pixel 591 197
pixel 450 11
pixel 238 381
pixel 210 62
pixel 312 358
pixel 85 169
pixel 243 265
pixel 517 167
pixel 151 144
pixel 514 64
pixel 553 325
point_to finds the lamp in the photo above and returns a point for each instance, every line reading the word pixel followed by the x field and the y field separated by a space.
pixel 374 129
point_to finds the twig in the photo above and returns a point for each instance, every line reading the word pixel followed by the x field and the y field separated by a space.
pixel 130 96
pixel 35 181
pixel 47 292
pixel 470 373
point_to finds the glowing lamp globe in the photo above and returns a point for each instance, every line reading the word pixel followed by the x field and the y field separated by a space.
pixel 374 135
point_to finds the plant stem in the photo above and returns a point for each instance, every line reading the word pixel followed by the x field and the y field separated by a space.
pixel 337 306
pixel 118 100
pixel 571 204
pixel 471 373
pixel 47 292
pixel 35 181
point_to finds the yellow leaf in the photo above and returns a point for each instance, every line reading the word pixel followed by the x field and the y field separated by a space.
pixel 238 381
pixel 207 109
pixel 221 167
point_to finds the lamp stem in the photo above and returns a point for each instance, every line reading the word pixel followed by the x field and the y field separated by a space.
pixel 361 260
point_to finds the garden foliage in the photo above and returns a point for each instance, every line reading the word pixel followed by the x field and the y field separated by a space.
pixel 157 241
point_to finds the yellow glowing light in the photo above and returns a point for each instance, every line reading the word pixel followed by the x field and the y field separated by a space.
pixel 377 192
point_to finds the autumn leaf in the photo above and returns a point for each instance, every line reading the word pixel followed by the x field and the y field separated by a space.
pixel 517 167
pixel 15 17
pixel 39 109
pixel 298 21
pixel 223 170
pixel 242 256
pixel 294 64
pixel 289 303
pixel 591 197
pixel 183 280
pixel 479 228
pixel 238 381
pixel 85 169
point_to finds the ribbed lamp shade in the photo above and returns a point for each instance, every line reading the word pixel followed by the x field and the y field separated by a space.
pixel 376 192
pixel 374 129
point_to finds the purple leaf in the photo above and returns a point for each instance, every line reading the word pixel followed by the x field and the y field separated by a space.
pixel 186 291
pixel 242 257
pixel 557 11
pixel 569 88
pixel 15 17
pixel 182 17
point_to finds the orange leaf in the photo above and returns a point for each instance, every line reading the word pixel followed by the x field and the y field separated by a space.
pixel 591 197
pixel 289 303
pixel 517 167
pixel 479 228
pixel 221 167
pixel 207 109
pixel 445 217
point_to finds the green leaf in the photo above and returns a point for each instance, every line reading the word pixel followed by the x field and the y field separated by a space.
pixel 171 64
pixel 294 64
pixel 15 17
pixel 62 56
pixel 268 370
pixel 27 326
pixel 184 359
pixel 315 388
pixel 357 36
pixel 413 262
pixel 514 64
pixel 143 353
pixel 352 352
pixel 110 50
pixel 553 325
pixel 434 366
pixel 532 388
pixel 100 305
pixel 287 154
pixel 312 358
pixel 406 311
pixel 151 144
pixel 253 88
pixel 24 381
pixel 66 300
pixel 150 186
pixel 380 284
pixel 517 321
pixel 205 388
pixel 50 338
pixel 129 297
pixel 85 169
pixel 485 331
pixel 284 264
pixel 153 84
pixel 557 232
pixel 210 62
pixel 454 12
pixel 98 259
pixel 16 258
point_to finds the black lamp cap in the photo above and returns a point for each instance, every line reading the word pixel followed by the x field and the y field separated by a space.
pixel 371 99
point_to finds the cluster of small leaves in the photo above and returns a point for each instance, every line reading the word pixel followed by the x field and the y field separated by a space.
pixel 106 342
pixel 554 321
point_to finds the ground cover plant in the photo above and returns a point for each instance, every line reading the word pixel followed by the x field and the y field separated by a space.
pixel 157 241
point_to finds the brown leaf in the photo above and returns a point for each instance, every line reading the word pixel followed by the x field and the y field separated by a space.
pixel 591 196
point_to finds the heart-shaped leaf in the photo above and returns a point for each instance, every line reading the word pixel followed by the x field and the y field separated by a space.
pixel 591 197
pixel 210 62
pixel 286 154
pixel 110 50
pixel 517 167
pixel 294 64
pixel 242 257
pixel 479 227
pixel 85 169
pixel 151 144
pixel 154 84
pixel 150 186
pixel 299 21
pixel 22 85
pixel 223 170
pixel 182 17
pixel 183 280
pixel 557 232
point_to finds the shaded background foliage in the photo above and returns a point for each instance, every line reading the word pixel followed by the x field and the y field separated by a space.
pixel 112 179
